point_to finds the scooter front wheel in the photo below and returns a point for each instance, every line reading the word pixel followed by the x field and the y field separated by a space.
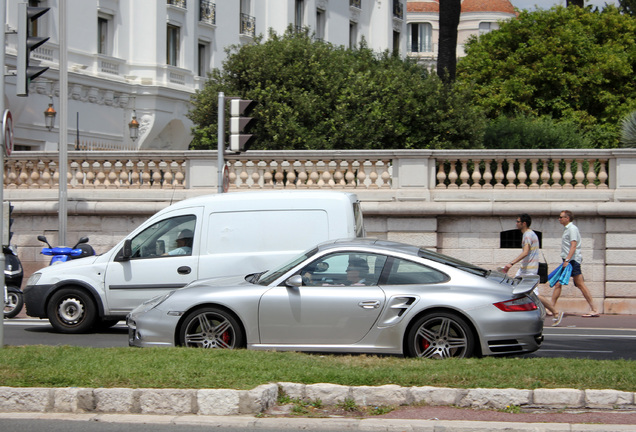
pixel 14 302
pixel 71 310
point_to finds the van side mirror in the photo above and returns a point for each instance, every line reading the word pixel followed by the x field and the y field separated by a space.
pixel 126 252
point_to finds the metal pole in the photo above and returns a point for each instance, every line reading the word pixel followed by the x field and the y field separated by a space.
pixel 221 141
pixel 3 16
pixel 63 145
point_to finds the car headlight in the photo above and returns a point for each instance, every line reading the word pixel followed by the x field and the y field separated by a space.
pixel 34 278
pixel 152 303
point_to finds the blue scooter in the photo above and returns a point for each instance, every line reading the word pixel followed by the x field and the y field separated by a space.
pixel 62 254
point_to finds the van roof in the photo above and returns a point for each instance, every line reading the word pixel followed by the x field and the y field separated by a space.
pixel 268 196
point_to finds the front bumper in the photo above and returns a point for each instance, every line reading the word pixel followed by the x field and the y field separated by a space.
pixel 35 300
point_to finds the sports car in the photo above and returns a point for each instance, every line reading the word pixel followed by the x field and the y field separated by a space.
pixel 353 296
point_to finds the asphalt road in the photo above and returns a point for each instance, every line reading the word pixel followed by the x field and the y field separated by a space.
pixel 609 337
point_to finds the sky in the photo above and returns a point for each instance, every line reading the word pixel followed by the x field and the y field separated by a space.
pixel 547 4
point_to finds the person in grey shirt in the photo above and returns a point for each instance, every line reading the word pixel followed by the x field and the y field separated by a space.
pixel 571 254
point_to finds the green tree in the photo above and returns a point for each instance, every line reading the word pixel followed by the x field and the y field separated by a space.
pixel 627 6
pixel 570 64
pixel 313 95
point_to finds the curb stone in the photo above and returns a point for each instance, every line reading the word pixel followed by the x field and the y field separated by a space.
pixel 228 402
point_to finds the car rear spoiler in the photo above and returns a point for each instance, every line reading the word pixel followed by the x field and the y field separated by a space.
pixel 526 284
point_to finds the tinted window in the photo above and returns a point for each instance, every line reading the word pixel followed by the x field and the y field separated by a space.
pixel 405 272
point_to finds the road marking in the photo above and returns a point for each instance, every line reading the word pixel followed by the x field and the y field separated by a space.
pixel 578 351
pixel 615 336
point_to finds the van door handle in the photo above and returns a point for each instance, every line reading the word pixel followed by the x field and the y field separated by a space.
pixel 370 304
pixel 184 270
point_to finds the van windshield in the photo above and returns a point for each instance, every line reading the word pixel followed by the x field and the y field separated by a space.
pixel 271 275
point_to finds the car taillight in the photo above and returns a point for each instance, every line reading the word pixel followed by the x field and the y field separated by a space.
pixel 522 304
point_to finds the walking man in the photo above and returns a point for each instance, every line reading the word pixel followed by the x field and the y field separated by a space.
pixel 529 259
pixel 571 254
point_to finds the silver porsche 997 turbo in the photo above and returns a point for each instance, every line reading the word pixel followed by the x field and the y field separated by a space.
pixel 354 296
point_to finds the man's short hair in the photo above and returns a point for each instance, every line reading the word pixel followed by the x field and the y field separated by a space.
pixel 569 214
pixel 525 217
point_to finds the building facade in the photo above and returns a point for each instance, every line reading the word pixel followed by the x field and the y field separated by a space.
pixel 148 57
pixel 477 17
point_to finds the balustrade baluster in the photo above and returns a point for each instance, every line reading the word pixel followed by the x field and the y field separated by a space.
pixel 510 175
pixel 522 176
pixel 373 175
pixel 602 175
pixel 290 175
pixel 135 176
pixel 591 175
pixel 534 174
pixel 10 176
pixel 168 175
pixel 100 176
pixel 545 173
pixel 22 175
pixel 567 175
pixel 338 175
pixel 268 174
pixel 499 175
pixel 232 176
pixel 487 174
pixel 463 175
pixel 556 174
pixel 453 176
pixel 441 174
pixel 243 176
pixel 303 175
pixel 386 175
pixel 579 176
pixel 476 174
pixel 256 176
pixel 362 175
pixel 157 175
pixel 350 177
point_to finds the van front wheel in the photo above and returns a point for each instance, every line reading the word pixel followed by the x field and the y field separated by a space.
pixel 71 310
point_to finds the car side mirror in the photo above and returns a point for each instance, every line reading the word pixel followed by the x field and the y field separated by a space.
pixel 126 251
pixel 294 281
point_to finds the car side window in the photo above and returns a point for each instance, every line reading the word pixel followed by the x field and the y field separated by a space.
pixel 344 269
pixel 404 272
pixel 174 236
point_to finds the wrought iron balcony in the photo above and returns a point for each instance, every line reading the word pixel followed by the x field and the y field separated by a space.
pixel 248 25
pixel 207 12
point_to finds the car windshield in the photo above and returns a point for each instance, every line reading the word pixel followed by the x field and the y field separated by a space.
pixel 453 262
pixel 271 275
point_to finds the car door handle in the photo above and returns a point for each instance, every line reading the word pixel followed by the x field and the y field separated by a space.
pixel 184 270
pixel 369 304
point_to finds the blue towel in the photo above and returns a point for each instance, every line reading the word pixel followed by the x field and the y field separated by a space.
pixel 561 275
pixel 554 276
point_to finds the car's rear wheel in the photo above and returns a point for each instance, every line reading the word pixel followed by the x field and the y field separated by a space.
pixel 440 335
pixel 211 328
pixel 71 310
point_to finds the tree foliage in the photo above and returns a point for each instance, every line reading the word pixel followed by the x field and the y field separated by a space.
pixel 571 64
pixel 313 95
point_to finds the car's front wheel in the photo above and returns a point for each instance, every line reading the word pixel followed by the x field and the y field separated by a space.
pixel 440 335
pixel 211 328
pixel 71 310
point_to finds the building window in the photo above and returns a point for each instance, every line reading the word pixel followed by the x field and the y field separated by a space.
pixel 103 35
pixel 321 24
pixel 248 22
pixel 420 37
pixel 511 239
pixel 207 12
pixel 172 52
pixel 353 35
pixel 299 13
pixel 484 27
pixel 202 59
pixel 396 42
pixel 398 9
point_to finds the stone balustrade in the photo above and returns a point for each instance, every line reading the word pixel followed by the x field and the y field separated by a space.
pixel 359 169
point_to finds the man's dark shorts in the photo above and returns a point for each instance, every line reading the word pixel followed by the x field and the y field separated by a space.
pixel 576 268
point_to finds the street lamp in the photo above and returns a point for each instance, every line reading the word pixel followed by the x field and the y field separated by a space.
pixel 49 116
pixel 133 127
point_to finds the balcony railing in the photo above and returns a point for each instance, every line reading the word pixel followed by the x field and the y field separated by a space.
pixel 207 12
pixel 398 9
pixel 486 170
pixel 248 25
pixel 178 3
pixel 355 4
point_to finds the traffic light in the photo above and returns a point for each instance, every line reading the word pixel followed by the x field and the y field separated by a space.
pixel 7 220
pixel 27 43
pixel 240 124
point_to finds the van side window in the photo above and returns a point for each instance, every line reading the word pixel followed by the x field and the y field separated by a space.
pixel 174 236
pixel 405 272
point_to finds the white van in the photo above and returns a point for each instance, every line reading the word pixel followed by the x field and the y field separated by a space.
pixel 207 236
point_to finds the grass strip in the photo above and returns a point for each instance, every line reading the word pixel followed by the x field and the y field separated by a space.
pixel 67 366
